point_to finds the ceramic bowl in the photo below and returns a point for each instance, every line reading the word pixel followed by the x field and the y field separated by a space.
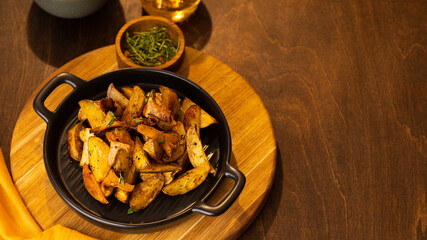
pixel 145 23
pixel 70 9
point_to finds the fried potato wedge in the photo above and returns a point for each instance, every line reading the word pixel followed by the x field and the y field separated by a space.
pixel 205 119
pixel 117 96
pixel 188 180
pixel 113 181
pixel 169 176
pixel 180 149
pixel 110 121
pixel 130 177
pixel 127 91
pixel 93 186
pixel 107 191
pixel 120 135
pixel 135 106
pixel 161 167
pixel 98 158
pixel 153 149
pixel 145 192
pixel 168 141
pixel 192 118
pixel 123 161
pixel 140 158
pixel 169 99
pixel 75 144
pixel 196 154
pixel 92 112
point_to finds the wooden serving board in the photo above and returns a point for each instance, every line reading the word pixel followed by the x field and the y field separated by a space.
pixel 253 151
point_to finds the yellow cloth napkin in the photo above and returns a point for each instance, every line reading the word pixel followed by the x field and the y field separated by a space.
pixel 15 220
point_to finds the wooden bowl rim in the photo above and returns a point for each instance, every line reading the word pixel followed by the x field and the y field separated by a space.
pixel 167 23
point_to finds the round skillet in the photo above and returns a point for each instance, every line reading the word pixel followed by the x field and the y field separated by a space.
pixel 66 175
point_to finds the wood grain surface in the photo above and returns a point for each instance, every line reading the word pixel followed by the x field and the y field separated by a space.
pixel 248 121
pixel 343 81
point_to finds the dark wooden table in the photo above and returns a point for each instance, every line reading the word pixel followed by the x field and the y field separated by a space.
pixel 345 83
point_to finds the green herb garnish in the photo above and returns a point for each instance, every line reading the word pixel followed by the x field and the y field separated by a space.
pixel 137 120
pixel 151 48
pixel 131 210
pixel 162 141
pixel 109 123
pixel 121 180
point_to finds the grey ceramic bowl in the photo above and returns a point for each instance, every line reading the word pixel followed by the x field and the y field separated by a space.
pixel 70 8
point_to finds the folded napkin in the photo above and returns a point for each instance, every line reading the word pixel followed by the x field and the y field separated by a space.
pixel 16 221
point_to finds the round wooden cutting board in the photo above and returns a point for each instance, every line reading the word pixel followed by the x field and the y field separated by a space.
pixel 253 151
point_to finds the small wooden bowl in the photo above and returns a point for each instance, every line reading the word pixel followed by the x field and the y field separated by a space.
pixel 145 24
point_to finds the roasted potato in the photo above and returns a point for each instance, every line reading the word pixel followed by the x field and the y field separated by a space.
pixel 135 105
pixel 161 167
pixel 153 149
pixel 115 159
pixel 130 177
pixel 92 112
pixel 145 192
pixel 75 144
pixel 140 158
pixel 192 118
pixel 93 186
pixel 98 158
pixel 196 154
pixel 188 181
pixel 113 181
pixel 169 99
pixel 127 91
pixel 205 119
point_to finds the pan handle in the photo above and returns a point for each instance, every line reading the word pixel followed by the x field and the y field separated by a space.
pixel 239 182
pixel 47 89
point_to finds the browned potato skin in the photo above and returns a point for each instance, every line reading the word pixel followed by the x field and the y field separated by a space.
pixel 75 144
pixel 153 148
pixel 192 118
pixel 161 167
pixel 127 91
pixel 92 186
pixel 180 149
pixel 113 181
pixel 123 161
pixel 117 96
pixel 196 154
pixel 205 119
pixel 145 192
pixel 140 160
pixel 169 99
pixel 135 106
pixel 130 177
pixel 169 176
pixel 188 181
pixel 98 158
pixel 92 112
pixel 107 191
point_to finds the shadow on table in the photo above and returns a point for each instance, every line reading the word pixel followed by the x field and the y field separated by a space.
pixel 197 29
pixel 56 41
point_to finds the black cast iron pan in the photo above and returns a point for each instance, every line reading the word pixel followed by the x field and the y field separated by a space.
pixel 66 175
